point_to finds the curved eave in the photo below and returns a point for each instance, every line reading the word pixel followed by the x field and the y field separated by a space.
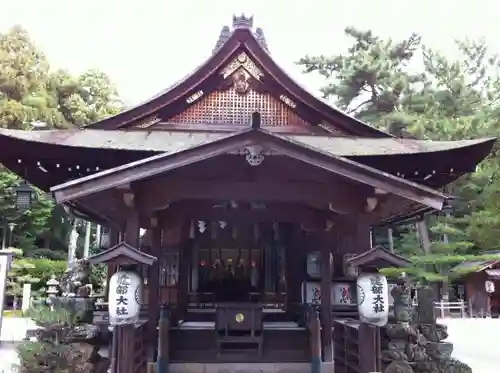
pixel 241 38
pixel 21 157
pixel 179 89
pixel 456 162
pixel 106 150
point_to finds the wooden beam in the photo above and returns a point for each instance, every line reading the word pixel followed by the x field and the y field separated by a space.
pixel 156 195
pixel 317 158
pixel 277 212
pixel 325 242
pixel 355 171
pixel 149 167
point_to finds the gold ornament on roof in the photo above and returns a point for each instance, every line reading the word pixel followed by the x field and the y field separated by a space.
pixel 242 61
pixel 287 100
pixel 148 122
pixel 241 81
pixel 194 97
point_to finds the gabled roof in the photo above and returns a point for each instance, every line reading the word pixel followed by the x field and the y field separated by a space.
pixel 378 257
pixel 129 254
pixel 478 265
pixel 242 39
pixel 155 165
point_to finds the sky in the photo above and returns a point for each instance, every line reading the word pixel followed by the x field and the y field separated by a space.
pixel 146 45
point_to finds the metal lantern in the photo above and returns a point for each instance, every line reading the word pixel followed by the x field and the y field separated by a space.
pixel 105 239
pixel 24 195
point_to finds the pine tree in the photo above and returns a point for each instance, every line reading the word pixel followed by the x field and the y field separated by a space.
pixel 376 80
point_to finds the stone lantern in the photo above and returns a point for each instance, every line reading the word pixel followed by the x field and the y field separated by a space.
pixel 52 287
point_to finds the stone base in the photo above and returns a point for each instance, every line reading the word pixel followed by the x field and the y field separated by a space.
pixel 241 368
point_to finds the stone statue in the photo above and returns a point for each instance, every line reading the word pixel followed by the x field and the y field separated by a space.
pixel 414 341
pixel 72 245
pixel 76 277
pixel 425 306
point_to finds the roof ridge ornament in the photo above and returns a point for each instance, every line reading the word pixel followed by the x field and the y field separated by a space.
pixel 224 36
pixel 242 21
pixel 261 39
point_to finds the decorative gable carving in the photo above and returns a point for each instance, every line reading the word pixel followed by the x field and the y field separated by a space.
pixel 235 106
pixel 242 61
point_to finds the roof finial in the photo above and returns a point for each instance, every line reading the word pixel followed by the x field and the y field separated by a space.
pixel 242 21
pixel 259 35
pixel 224 36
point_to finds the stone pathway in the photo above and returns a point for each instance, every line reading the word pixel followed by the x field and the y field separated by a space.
pixel 13 330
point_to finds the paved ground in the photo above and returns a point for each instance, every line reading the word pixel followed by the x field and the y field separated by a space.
pixel 13 330
pixel 475 340
pixel 476 343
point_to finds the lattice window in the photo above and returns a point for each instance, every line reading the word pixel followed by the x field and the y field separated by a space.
pixel 169 269
pixel 230 107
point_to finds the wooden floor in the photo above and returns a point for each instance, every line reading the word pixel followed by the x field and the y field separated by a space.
pixel 283 342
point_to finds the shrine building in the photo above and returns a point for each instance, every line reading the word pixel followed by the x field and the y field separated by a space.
pixel 256 197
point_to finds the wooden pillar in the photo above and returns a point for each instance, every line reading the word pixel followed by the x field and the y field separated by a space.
pixel 295 258
pixel 163 341
pixel 113 240
pixel 184 266
pixel 369 348
pixel 315 335
pixel 153 284
pixel 326 296
pixel 126 333
pixel 132 229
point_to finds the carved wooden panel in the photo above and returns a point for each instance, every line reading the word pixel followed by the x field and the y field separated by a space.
pixel 233 108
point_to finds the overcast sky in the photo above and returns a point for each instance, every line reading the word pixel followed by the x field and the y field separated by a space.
pixel 146 45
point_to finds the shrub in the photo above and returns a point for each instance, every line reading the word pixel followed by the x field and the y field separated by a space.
pixel 53 352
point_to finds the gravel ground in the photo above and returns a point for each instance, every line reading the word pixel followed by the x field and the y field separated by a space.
pixel 475 342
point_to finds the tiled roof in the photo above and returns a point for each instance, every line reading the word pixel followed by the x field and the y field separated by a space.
pixel 478 265
pixel 158 141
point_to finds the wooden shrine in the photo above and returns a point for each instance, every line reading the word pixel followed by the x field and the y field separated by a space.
pixel 248 188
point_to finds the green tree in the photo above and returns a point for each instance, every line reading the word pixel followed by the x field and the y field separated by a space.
pixel 32 95
pixel 378 81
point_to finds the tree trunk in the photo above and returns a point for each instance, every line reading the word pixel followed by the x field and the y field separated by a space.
pixel 86 245
pixel 390 239
pixel 423 235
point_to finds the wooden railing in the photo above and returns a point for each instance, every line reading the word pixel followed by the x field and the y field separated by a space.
pixel 140 349
pixel 207 301
pixel 357 347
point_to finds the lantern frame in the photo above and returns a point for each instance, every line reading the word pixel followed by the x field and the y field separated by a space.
pixel 25 195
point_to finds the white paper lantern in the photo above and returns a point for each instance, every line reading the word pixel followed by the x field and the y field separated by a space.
pixel 125 298
pixel 489 286
pixel 373 299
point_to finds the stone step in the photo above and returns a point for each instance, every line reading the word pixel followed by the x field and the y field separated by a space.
pixel 240 368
